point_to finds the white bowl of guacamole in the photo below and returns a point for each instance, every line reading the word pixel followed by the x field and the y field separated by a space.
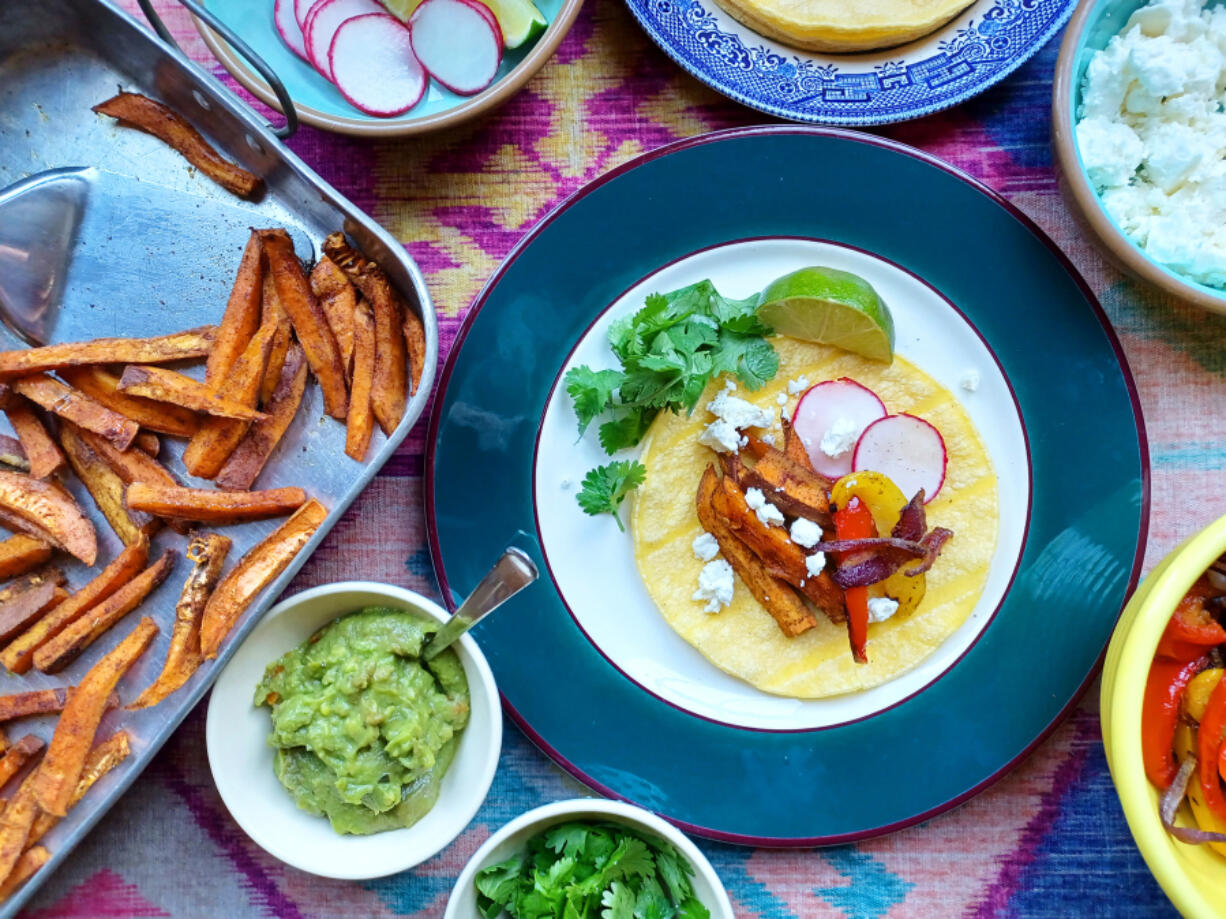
pixel 336 750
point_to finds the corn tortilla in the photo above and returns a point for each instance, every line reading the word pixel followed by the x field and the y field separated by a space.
pixel 743 639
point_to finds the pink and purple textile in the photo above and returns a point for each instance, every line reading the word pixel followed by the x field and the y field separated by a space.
pixel 1047 841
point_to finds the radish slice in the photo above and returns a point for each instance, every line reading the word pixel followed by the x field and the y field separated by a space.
pixel 459 42
pixel 325 19
pixel 315 5
pixel 287 27
pixel 301 9
pixel 373 65
pixel 829 420
pixel 908 450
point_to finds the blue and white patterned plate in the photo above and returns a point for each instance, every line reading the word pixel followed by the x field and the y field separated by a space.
pixel 973 51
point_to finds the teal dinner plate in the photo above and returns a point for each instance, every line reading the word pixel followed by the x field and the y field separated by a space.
pixel 982 300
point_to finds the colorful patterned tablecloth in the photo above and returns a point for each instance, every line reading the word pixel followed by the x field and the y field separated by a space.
pixel 1047 841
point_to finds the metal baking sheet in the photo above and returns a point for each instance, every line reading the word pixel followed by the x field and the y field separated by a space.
pixel 156 250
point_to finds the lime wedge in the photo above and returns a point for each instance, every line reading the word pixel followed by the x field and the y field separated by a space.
pixel 831 307
pixel 520 20
pixel 401 8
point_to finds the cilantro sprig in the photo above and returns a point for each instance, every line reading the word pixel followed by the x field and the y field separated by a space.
pixel 606 487
pixel 669 350
pixel 590 871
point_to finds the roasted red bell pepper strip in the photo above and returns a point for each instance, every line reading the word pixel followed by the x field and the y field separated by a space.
pixel 855 521
pixel 1164 691
pixel 1192 630
pixel 1210 741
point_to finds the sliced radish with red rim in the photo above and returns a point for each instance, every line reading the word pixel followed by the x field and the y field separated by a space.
pixel 302 9
pixel 373 65
pixel 459 43
pixel 836 411
pixel 326 17
pixel 906 449
pixel 288 28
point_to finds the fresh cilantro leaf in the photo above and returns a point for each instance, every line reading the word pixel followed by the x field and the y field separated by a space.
pixel 633 859
pixel 605 487
pixel 750 358
pixel 591 391
pixel 627 430
pixel 675 871
pixel 618 902
pixel 691 909
pixel 568 838
pixel 499 882
pixel 651 903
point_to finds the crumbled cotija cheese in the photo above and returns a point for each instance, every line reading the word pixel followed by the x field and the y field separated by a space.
pixel 767 512
pixel 1152 134
pixel 715 585
pixel 731 414
pixel 705 547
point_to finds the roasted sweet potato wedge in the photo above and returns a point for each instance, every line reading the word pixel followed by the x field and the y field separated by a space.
pixel 782 557
pixel 12 454
pixel 271 312
pixel 18 755
pixel 389 387
pixel 795 450
pixel 337 298
pixel 415 343
pixel 308 319
pixel 106 488
pixel 101 385
pixel 38 592
pixel 34 702
pixel 63 649
pixel 208 506
pixel 16 822
pixel 26 867
pixel 779 599
pixel 130 465
pixel 180 346
pixel 22 553
pixel 19 655
pixel 208 551
pixel 78 408
pixel 167 386
pixel 786 484
pixel 168 126
pixel 42 452
pixel 257 445
pixel 360 423
pixel 242 315
pixel 101 760
pixel 62 767
pixel 45 510
pixel 215 441
pixel 255 571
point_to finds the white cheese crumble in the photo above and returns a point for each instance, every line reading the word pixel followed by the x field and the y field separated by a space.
pixel 721 437
pixel 731 414
pixel 767 512
pixel 815 564
pixel 705 547
pixel 798 385
pixel 840 437
pixel 881 608
pixel 781 399
pixel 970 380
pixel 806 533
pixel 715 585
pixel 768 439
pixel 1152 134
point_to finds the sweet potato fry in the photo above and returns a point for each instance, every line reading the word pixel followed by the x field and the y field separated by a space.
pixel 101 760
pixel 43 509
pixel 21 553
pixel 337 298
pixel 13 454
pixel 164 385
pixel 61 768
pixel 4 741
pixel 179 346
pixel 78 408
pixel 208 506
pixel 415 343
pixel 389 386
pixel 788 485
pixel 796 451
pixel 19 655
pixel 168 126
pixel 25 606
pixel 242 315
pixel 308 319
pixel 63 649
pixel 215 441
pixel 255 571
pixel 26 867
pixel 779 599
pixel 360 423
pixel 21 586
pixel 208 551
pixel 106 488
pixel 271 312
pixel 101 385
pixel 43 454
pixel 16 757
pixel 16 822
pixel 132 466
pixel 257 445
pixel 781 557
pixel 33 702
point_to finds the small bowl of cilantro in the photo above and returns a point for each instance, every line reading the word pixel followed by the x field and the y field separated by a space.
pixel 588 857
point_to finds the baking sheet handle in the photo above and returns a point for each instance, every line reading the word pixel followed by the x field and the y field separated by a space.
pixel 282 94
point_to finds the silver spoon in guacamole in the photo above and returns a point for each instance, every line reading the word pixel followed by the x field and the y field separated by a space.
pixel 511 573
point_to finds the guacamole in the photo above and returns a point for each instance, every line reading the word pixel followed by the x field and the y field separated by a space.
pixel 364 730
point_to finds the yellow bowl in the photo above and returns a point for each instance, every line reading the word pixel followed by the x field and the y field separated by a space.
pixel 1194 877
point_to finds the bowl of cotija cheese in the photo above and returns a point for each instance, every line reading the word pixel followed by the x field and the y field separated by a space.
pixel 1140 135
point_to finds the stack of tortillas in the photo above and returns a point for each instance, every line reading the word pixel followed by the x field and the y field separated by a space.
pixel 844 25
